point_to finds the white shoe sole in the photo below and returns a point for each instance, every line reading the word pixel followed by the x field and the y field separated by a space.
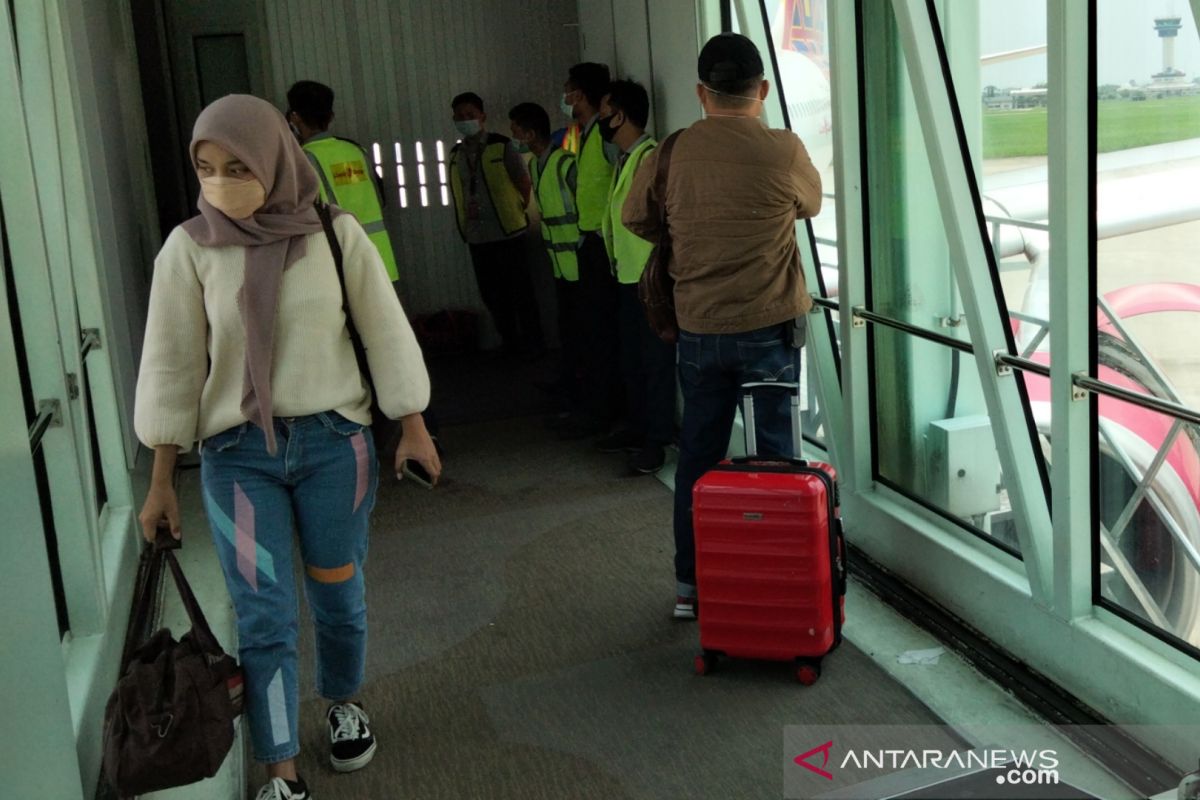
pixel 352 764
pixel 684 613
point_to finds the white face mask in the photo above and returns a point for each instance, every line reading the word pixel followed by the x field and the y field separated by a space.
pixel 754 98
pixel 467 127
pixel 236 199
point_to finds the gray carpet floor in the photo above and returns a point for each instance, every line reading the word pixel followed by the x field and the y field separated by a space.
pixel 521 643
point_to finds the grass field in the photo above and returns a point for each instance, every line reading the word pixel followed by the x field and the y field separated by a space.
pixel 1122 124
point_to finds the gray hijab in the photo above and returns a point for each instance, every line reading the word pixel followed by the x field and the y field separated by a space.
pixel 255 132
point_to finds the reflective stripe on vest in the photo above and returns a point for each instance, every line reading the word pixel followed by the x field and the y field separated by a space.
pixel 592 181
pixel 510 208
pixel 627 251
pixel 346 181
pixel 571 139
pixel 560 218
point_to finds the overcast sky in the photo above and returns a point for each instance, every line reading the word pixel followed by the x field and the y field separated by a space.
pixel 1127 46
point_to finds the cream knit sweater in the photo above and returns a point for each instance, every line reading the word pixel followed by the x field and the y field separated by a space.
pixel 190 382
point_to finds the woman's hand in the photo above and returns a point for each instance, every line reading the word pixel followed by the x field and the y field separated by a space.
pixel 162 504
pixel 161 508
pixel 415 443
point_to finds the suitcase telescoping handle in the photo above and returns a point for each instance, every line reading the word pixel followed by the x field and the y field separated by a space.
pixel 793 387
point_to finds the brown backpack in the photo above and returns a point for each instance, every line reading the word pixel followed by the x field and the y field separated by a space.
pixel 656 287
pixel 169 722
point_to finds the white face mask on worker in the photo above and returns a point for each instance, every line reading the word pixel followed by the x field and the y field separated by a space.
pixel 236 199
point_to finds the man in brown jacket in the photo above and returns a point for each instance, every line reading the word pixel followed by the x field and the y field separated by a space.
pixel 734 191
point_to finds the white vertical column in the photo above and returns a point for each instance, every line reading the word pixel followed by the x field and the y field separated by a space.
pixel 854 453
pixel 1072 293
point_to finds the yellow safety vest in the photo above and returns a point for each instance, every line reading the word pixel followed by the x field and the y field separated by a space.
pixel 592 182
pixel 560 217
pixel 346 181
pixel 628 252
pixel 507 201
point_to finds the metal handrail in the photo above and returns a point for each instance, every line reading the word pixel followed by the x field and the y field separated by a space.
pixel 48 416
pixel 89 341
pixel 1085 382
pixel 1023 364
pixel 920 333
pixel 1165 407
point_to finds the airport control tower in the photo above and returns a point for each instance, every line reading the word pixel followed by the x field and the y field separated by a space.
pixel 1168 29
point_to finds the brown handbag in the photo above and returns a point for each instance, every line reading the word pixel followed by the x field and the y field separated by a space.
pixel 169 722
pixel 656 287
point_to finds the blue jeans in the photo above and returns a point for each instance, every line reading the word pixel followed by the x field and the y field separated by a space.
pixel 711 368
pixel 321 484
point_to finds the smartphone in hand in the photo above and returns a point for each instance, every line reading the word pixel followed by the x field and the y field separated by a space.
pixel 412 469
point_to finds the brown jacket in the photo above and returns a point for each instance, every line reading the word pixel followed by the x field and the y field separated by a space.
pixel 735 189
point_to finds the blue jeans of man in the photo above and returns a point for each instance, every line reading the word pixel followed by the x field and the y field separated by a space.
pixel 712 367
pixel 319 487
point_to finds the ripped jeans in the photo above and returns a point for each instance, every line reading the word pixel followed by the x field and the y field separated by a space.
pixel 321 484
pixel 712 367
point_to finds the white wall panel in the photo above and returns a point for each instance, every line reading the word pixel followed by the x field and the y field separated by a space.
pixel 394 66
pixel 674 46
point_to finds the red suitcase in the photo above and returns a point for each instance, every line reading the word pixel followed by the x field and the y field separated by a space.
pixel 770 556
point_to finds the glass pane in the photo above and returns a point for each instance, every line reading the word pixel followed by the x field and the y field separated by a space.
pixel 1148 283
pixel 1149 536
pixel 812 420
pixel 800 37
pixel 39 461
pixel 934 439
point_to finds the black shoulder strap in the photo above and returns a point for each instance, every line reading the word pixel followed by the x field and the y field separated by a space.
pixel 660 175
pixel 360 351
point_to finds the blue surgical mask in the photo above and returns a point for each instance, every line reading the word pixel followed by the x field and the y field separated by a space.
pixel 567 108
pixel 520 145
pixel 467 127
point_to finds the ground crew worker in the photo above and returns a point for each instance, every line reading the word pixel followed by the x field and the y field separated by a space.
pixel 585 87
pixel 347 178
pixel 734 191
pixel 553 174
pixel 647 362
pixel 348 181
pixel 491 189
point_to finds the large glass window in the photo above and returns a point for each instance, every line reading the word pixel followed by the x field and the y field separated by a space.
pixel 799 36
pixel 1147 99
pixel 933 438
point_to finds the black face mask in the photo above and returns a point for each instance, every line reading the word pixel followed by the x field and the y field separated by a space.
pixel 607 133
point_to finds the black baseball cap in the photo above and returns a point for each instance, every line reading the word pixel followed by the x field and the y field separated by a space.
pixel 729 57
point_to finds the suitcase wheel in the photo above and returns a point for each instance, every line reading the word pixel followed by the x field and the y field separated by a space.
pixel 706 663
pixel 807 672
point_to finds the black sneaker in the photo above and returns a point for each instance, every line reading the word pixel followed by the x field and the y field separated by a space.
pixel 649 460
pixel 623 440
pixel 279 789
pixel 351 744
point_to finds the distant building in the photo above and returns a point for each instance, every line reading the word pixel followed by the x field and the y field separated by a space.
pixel 1171 82
pixel 1030 98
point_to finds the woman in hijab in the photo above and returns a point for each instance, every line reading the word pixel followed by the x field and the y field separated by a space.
pixel 247 352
